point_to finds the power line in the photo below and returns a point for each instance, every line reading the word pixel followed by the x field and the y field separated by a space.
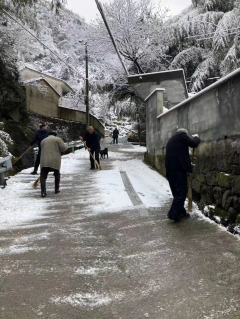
pixel 214 37
pixel 100 8
pixel 42 43
pixel 205 34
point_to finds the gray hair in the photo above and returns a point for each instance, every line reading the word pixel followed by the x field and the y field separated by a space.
pixel 182 130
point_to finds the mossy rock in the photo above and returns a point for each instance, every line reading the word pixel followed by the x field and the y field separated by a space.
pixel 223 215
pixel 236 185
pixel 232 215
pixel 225 180
pixel 238 219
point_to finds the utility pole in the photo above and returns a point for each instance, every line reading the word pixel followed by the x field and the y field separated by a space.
pixel 86 97
pixel 87 88
pixel 100 8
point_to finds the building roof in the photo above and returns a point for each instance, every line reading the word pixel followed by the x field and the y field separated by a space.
pixel 207 89
pixel 173 81
pixel 50 76
pixel 40 79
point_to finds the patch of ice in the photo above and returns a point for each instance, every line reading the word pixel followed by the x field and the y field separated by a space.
pixel 86 300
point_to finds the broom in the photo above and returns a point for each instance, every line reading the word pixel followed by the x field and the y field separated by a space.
pixel 35 184
pixel 22 155
pixel 98 166
pixel 190 197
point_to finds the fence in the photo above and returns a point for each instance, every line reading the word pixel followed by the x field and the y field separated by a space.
pixel 5 165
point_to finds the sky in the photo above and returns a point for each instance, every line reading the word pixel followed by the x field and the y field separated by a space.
pixel 88 9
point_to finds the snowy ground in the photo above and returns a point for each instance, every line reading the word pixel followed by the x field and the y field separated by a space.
pixel 88 252
pixel 20 203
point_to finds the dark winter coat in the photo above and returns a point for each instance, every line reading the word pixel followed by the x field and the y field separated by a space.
pixel 40 136
pixel 92 141
pixel 177 152
pixel 115 133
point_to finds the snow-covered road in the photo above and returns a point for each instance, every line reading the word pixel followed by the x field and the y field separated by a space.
pixel 92 252
pixel 20 203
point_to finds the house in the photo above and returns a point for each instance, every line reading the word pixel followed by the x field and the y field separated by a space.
pixel 44 96
pixel 43 92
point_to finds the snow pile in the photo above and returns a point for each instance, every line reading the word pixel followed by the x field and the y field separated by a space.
pixel 5 142
pixel 136 148
pixel 17 203
pixel 87 300
pixel 152 188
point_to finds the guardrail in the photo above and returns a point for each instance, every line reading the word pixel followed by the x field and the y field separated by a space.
pixel 5 165
pixel 6 162
pixel 71 145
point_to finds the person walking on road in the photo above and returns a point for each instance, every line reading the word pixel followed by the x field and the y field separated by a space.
pixel 91 138
pixel 41 134
pixel 178 165
pixel 52 149
pixel 115 136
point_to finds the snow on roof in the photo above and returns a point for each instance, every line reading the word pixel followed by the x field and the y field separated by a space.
pixel 40 79
pixel 50 76
pixel 207 89
pixel 155 73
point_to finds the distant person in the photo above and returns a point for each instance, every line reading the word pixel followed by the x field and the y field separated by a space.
pixel 52 148
pixel 41 134
pixel 178 165
pixel 115 136
pixel 91 138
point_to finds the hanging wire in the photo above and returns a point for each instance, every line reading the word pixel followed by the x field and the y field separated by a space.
pixel 42 43
pixel 205 34
pixel 221 36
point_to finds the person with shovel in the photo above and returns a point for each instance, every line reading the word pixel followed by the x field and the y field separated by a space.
pixel 52 149
pixel 91 138
pixel 178 165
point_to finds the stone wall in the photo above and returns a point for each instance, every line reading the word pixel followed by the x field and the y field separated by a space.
pixel 47 105
pixel 22 133
pixel 215 115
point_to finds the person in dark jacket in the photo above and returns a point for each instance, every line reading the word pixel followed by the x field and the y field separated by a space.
pixel 41 134
pixel 115 136
pixel 91 138
pixel 178 165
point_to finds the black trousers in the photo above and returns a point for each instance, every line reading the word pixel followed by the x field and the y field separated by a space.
pixel 179 187
pixel 44 175
pixel 115 140
pixel 37 163
pixel 96 154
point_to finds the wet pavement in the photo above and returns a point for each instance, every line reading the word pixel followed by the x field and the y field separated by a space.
pixel 77 263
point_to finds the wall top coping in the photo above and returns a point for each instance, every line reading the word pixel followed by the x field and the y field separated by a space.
pixel 48 75
pixel 207 89
pixel 160 90
pixel 26 82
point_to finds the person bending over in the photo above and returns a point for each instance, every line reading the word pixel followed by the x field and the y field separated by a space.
pixel 178 165
pixel 91 138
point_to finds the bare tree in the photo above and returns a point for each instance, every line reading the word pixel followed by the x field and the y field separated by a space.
pixel 136 26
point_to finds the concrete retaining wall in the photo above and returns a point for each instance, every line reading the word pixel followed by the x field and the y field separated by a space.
pixel 215 115
pixel 47 105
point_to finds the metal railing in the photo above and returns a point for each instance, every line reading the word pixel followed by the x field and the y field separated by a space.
pixel 71 145
pixel 5 165
pixel 6 162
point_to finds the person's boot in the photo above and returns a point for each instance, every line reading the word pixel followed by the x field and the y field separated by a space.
pixel 34 173
pixel 43 189
pixel 57 184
